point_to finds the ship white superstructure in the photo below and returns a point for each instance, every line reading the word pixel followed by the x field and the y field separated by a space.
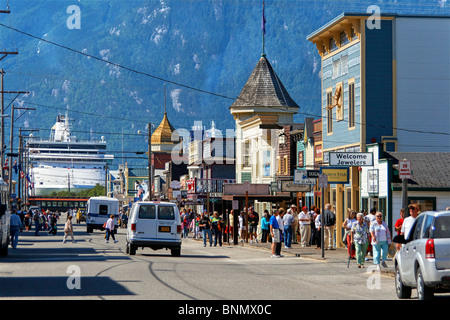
pixel 63 163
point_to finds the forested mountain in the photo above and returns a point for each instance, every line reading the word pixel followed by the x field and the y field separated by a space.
pixel 203 50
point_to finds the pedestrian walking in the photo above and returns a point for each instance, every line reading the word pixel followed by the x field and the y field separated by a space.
pixel 312 214
pixel 205 228
pixel 109 227
pixel 359 236
pixel 27 221
pixel 68 229
pixel 185 222
pixel 242 226
pixel 275 233
pixel 265 226
pixel 305 226
pixel 36 220
pixel 253 220
pixel 408 222
pixel 293 211
pixel 279 218
pixel 231 225
pixel 347 225
pixel 381 238
pixel 398 227
pixel 53 229
pixel 318 223
pixel 328 228
pixel 216 225
pixel 14 229
pixel 288 221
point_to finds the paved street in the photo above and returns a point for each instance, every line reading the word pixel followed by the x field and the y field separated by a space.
pixel 45 268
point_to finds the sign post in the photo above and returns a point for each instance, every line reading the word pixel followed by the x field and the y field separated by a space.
pixel 404 173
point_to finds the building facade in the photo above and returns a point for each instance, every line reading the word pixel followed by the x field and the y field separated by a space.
pixel 377 81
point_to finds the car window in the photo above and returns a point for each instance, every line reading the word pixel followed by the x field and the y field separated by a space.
pixel 415 232
pixel 427 226
pixel 147 212
pixel 166 213
pixel 442 227
pixel 103 209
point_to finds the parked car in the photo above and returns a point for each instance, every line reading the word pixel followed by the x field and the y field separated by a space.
pixel 156 225
pixel 423 262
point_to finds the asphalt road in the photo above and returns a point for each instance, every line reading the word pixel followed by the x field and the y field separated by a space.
pixel 44 268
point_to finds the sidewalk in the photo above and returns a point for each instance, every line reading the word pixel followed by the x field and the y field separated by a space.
pixel 336 255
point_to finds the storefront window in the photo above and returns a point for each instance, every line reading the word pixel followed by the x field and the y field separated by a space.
pixel 425 203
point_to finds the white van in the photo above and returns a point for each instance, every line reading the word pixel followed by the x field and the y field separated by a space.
pixel 98 211
pixel 156 225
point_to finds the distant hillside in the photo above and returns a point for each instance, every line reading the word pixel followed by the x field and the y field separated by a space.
pixel 211 45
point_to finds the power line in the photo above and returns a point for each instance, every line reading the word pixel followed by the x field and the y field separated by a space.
pixel 116 64
pixel 192 88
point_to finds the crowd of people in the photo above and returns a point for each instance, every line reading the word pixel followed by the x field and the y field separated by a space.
pixel 369 234
pixel 363 234
pixel 23 220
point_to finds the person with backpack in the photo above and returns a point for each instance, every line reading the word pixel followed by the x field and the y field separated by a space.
pixel 329 221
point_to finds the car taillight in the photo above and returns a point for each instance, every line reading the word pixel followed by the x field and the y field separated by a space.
pixel 133 227
pixel 429 249
pixel 178 228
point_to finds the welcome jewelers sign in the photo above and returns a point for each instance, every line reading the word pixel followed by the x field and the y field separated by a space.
pixel 351 159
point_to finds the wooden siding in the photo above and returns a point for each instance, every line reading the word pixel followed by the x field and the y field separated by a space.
pixel 349 68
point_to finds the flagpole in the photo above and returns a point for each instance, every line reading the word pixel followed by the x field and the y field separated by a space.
pixel 263 26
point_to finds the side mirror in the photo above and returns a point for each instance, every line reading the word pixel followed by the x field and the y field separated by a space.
pixel 399 239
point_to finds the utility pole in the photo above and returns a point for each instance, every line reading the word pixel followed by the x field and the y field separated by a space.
pixel 2 115
pixel 2 121
pixel 11 154
pixel 23 164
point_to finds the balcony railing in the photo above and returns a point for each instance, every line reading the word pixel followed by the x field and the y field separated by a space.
pixel 202 186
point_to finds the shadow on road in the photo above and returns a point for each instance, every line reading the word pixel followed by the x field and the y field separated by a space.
pixel 57 287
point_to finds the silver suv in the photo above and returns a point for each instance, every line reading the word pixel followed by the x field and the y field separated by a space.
pixel 423 262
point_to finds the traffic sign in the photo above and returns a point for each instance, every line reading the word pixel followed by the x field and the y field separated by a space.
pixel 404 169
pixel 323 180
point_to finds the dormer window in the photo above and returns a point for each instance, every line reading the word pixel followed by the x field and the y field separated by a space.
pixel 344 39
pixel 333 45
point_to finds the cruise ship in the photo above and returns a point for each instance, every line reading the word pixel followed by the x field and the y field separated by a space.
pixel 64 163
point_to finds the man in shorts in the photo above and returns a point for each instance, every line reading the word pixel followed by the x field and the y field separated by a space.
pixel 275 233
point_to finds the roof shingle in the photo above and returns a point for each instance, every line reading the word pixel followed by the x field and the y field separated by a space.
pixel 264 88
